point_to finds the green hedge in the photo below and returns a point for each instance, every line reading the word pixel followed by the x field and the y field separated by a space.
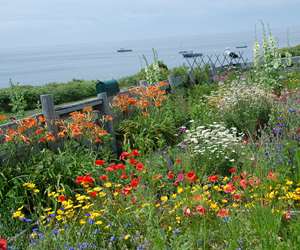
pixel 294 51
pixel 62 92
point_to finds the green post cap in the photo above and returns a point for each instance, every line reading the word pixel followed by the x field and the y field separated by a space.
pixel 111 87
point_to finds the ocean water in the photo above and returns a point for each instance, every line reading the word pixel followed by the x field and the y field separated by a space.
pixel 61 63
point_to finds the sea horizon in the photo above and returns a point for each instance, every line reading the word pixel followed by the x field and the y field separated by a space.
pixel 39 65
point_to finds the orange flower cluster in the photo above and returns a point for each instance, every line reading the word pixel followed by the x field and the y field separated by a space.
pixel 141 98
pixel 83 124
pixel 2 117
pixel 35 130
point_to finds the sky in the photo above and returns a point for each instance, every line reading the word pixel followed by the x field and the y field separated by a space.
pixel 54 22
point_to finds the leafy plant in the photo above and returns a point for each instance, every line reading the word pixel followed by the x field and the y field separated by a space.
pixel 17 99
pixel 268 62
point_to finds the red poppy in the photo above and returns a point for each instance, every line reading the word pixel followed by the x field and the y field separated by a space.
pixel 119 166
pixel 38 131
pixel 126 190
pixel 200 209
pixel 170 175
pixel 178 161
pixel 272 176
pixel 124 176
pixel 232 170
pixel 243 183
pixel 61 198
pixel 133 161
pixel 191 176
pixel 124 155
pixel 236 197
pixel 85 180
pixel 42 140
pixel 3 244
pixel 93 194
pixel 229 188
pixel 103 177
pixel 254 181
pixel 213 178
pixel 139 166
pixel 99 162
pixel 223 212
pixel 135 152
pixel 134 182
pixel 110 168
pixel 236 178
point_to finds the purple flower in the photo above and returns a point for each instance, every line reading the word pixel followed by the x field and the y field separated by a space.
pixel 182 129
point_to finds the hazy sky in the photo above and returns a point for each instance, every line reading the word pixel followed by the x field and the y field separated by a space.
pixel 45 22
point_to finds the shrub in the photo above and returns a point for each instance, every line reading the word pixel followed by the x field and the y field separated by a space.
pixel 62 92
pixel 244 106
pixel 199 109
pixel 214 144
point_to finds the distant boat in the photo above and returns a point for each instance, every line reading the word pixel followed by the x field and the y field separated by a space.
pixel 124 50
pixel 192 55
pixel 185 51
pixel 242 47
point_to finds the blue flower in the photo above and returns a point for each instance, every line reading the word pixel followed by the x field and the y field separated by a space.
pixel 55 231
pixel 112 238
pixel 91 221
pixel 292 110
pixel 140 247
pixel 26 220
pixel 83 245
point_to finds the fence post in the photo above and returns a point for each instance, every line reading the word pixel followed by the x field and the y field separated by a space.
pixel 49 113
pixel 109 124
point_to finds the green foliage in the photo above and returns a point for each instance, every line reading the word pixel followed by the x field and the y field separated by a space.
pixel 202 75
pixel 156 71
pixel 17 98
pixel 199 109
pixel 182 74
pixel 293 51
pixel 62 92
pixel 268 62
pixel 158 128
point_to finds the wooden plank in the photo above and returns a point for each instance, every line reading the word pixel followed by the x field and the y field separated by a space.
pixel 49 113
pixel 69 108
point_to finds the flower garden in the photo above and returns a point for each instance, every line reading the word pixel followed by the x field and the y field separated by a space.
pixel 210 166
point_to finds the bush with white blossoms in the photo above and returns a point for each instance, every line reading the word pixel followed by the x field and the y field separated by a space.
pixel 215 141
pixel 243 105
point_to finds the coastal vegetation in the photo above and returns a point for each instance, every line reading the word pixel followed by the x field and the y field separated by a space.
pixel 213 165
